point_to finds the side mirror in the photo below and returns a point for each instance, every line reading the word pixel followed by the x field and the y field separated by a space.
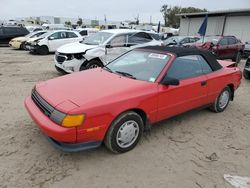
pixel 170 81
pixel 108 46
pixel 51 38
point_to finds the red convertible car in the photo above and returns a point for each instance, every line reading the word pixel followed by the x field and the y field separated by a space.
pixel 116 103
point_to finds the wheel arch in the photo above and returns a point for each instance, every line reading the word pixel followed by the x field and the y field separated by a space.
pixel 85 63
pixel 141 113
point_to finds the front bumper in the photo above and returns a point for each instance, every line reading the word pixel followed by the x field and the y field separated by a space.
pixel 15 44
pixel 74 147
pixel 69 66
pixel 47 126
pixel 62 138
pixel 32 48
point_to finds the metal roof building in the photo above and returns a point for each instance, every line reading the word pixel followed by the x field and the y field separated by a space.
pixel 225 22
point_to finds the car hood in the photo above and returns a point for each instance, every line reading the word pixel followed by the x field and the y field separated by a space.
pixel 90 88
pixel 33 39
pixel 19 39
pixel 75 47
pixel 203 45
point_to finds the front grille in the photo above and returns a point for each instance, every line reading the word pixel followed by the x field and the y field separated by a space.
pixel 46 108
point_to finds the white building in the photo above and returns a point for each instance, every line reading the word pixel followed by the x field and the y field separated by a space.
pixel 226 22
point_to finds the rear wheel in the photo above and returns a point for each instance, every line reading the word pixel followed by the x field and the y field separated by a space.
pixel 43 50
pixel 222 101
pixel 22 46
pixel 124 133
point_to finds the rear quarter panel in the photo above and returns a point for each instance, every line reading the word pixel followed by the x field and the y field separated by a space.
pixel 218 80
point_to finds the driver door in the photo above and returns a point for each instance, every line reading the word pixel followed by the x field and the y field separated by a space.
pixel 116 47
pixel 56 40
pixel 189 94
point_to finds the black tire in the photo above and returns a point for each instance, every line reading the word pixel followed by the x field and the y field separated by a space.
pixel 93 64
pixel 237 58
pixel 43 50
pixel 246 74
pixel 22 46
pixel 216 106
pixel 111 140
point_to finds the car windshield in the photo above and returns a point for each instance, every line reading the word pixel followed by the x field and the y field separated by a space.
pixel 139 65
pixel 212 39
pixel 45 35
pixel 173 39
pixel 97 38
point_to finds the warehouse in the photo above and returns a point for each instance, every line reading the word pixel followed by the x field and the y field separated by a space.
pixel 226 22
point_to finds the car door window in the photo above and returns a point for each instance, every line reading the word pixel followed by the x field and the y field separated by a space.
pixel 1 31
pixel 185 67
pixel 204 64
pixel 84 32
pixel 223 42
pixel 139 38
pixel 184 41
pixel 10 31
pixel 232 41
pixel 118 41
pixel 71 35
pixel 59 35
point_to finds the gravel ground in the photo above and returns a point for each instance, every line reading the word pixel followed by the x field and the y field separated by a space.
pixel 192 150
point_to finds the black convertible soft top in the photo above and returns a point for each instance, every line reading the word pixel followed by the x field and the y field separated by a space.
pixel 181 51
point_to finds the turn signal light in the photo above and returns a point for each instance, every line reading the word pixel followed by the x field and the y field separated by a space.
pixel 73 120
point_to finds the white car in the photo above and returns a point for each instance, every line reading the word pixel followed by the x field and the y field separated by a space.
pixel 84 32
pixel 51 41
pixel 100 48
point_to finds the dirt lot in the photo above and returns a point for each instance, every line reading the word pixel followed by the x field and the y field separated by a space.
pixel 192 150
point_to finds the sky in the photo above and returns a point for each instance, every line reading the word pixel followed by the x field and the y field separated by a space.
pixel 115 10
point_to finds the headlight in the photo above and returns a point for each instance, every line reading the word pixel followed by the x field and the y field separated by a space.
pixel 73 120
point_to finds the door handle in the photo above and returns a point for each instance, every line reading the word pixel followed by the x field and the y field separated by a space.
pixel 203 83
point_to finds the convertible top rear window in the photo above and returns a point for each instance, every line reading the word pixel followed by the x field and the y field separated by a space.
pixel 208 56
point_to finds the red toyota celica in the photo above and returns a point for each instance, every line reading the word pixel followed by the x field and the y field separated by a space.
pixel 116 103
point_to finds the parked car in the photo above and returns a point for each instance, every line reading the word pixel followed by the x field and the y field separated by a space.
pixel 246 51
pixel 246 71
pixel 114 104
pixel 223 47
pixel 51 41
pixel 9 32
pixel 86 31
pixel 180 40
pixel 100 48
pixel 19 42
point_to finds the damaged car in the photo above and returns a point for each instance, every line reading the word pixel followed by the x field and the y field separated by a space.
pixel 100 48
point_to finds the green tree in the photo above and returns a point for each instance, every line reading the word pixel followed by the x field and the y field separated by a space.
pixel 169 14
pixel 68 23
pixel 79 22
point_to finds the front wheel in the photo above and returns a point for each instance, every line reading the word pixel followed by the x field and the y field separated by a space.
pixel 222 101
pixel 43 50
pixel 124 133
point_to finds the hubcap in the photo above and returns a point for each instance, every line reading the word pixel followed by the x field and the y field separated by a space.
pixel 127 134
pixel 223 100
pixel 93 66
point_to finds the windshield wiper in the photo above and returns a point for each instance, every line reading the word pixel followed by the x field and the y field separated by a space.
pixel 126 74
pixel 108 69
